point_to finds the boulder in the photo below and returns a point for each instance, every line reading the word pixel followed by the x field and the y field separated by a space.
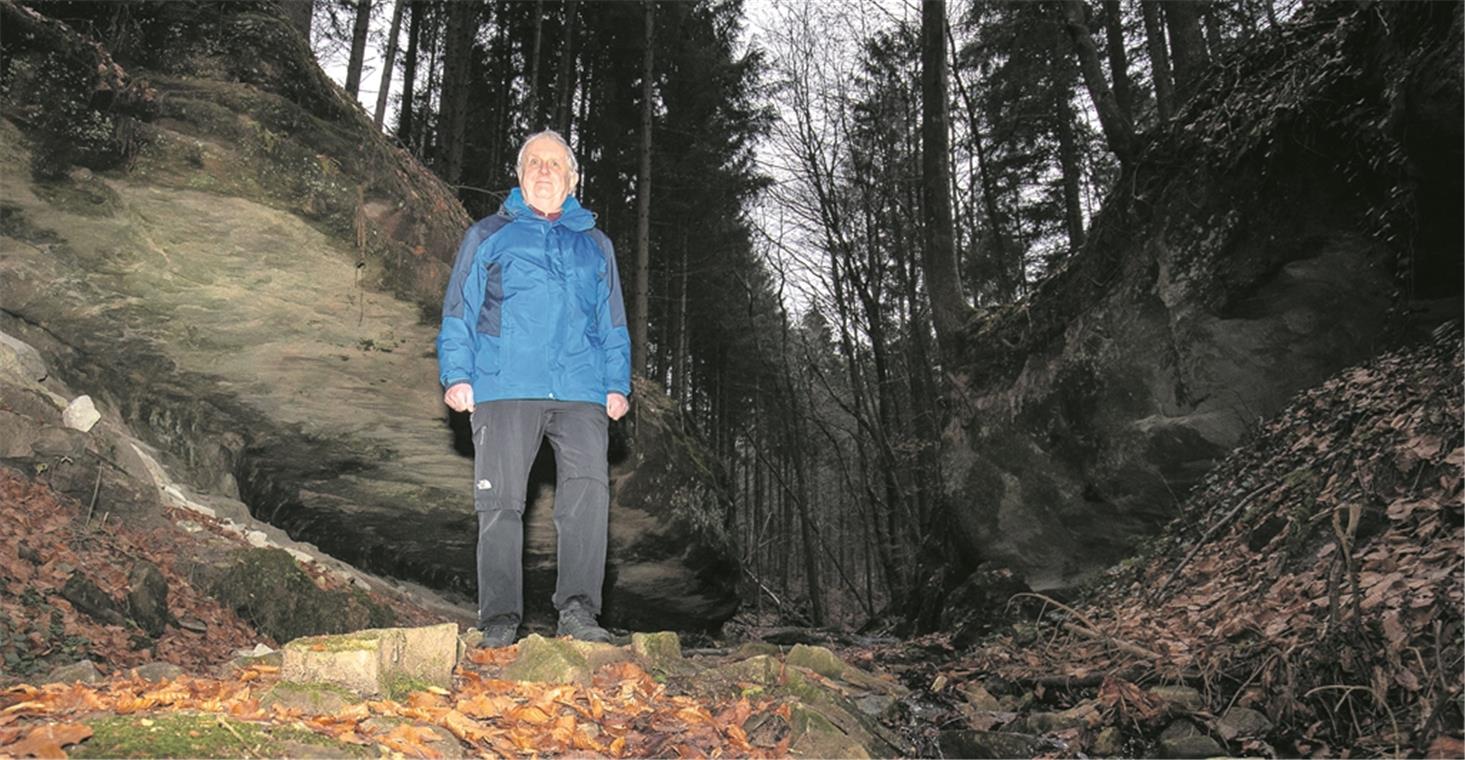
pixel 157 671
pixel 381 661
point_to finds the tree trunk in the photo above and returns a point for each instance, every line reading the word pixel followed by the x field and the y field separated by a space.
pixel 1187 45
pixel 1118 57
pixel 565 80
pixel 388 63
pixel 461 28
pixel 943 275
pixel 1118 131
pixel 1159 59
pixel 409 75
pixel 531 109
pixel 641 320
pixel 1070 167
pixel 358 47
pixel 300 13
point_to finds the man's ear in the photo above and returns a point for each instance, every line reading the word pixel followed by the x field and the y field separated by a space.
pixel 574 181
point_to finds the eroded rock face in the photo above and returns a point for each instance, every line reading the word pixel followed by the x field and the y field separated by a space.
pixel 249 280
pixel 1237 264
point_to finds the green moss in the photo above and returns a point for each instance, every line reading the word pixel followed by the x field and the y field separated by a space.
pixel 399 685
pixel 272 592
pixel 89 197
pixel 199 735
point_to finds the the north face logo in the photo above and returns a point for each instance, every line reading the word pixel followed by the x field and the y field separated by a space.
pixel 484 485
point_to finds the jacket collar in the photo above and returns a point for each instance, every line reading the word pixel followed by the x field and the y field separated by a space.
pixel 572 214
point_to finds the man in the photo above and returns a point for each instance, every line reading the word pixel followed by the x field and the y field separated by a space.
pixel 534 345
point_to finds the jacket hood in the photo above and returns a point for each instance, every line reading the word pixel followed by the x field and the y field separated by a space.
pixel 572 214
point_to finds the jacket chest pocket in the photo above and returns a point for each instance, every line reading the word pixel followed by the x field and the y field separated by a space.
pixel 585 277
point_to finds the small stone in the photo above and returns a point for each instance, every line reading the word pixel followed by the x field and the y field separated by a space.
pixel 190 526
pixel 1242 721
pixel 820 660
pixel 1084 714
pixel 978 697
pixel 29 555
pixel 1109 742
pixel 985 744
pixel 84 671
pixel 258 650
pixel 157 671
pixel 1182 739
pixel 193 624
pixel 1180 698
pixel 257 539
pixel 876 705
pixel 86 596
pixel 544 660
pixel 81 414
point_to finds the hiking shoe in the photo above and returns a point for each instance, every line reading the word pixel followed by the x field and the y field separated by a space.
pixel 577 623
pixel 500 633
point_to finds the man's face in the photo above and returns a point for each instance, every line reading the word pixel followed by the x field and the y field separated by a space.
pixel 546 179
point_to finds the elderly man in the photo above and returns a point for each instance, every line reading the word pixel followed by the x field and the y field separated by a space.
pixel 534 345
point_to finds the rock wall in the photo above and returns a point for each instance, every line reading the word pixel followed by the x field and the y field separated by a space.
pixel 218 246
pixel 1299 215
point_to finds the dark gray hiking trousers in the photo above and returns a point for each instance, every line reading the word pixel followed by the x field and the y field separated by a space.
pixel 506 437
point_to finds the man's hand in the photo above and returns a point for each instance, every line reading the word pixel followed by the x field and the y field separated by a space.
pixel 616 405
pixel 459 397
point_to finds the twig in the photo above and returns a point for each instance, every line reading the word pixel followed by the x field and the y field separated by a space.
pixel 1348 690
pixel 1226 520
pixel 1120 644
pixel 96 489
pixel 1089 629
pixel 242 741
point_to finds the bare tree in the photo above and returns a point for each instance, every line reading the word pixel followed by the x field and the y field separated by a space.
pixel 943 277
pixel 389 63
pixel 405 120
pixel 358 47
pixel 640 325
pixel 1159 59
pixel 564 84
pixel 1187 44
pixel 1118 56
pixel 1115 122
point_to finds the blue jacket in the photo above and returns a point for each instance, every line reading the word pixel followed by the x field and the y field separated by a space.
pixel 534 309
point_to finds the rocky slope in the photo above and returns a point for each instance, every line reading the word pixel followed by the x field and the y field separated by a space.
pixel 210 239
pixel 1300 214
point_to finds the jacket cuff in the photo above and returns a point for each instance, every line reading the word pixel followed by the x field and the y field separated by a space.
pixel 454 381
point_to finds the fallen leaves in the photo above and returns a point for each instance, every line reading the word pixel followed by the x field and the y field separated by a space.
pixel 1341 579
pixel 48 741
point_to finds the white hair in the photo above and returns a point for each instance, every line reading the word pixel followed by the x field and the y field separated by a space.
pixel 553 135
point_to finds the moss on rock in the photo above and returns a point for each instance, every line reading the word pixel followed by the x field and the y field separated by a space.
pixel 270 590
